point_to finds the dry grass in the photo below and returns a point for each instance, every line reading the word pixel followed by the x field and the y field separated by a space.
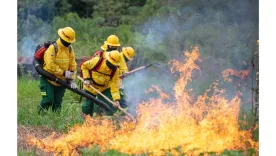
pixel 38 132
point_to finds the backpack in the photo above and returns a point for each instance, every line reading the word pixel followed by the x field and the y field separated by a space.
pixel 41 48
pixel 99 53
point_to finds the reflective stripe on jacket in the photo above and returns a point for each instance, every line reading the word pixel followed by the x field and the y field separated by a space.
pixel 57 62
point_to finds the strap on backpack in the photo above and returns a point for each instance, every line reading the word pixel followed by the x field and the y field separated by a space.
pixel 70 49
pixel 98 65
pixel 113 73
pixel 56 47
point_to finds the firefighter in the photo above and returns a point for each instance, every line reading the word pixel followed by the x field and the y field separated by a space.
pixel 127 54
pixel 59 60
pixel 103 74
pixel 112 43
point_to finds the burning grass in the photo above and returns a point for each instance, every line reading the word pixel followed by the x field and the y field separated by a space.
pixel 181 124
pixel 38 132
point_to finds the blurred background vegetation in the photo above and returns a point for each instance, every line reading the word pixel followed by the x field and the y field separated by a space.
pixel 226 32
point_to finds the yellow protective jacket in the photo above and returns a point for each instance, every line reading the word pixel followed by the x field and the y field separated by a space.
pixel 122 69
pixel 123 66
pixel 58 62
pixel 101 77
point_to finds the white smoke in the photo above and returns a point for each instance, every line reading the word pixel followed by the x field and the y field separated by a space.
pixel 225 32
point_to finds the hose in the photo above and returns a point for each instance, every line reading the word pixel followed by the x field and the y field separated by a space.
pixel 51 77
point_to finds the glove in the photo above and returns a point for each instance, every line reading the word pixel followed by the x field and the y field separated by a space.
pixel 68 74
pixel 73 84
pixel 123 75
pixel 117 103
pixel 86 82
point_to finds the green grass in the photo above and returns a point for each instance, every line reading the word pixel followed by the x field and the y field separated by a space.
pixel 25 153
pixel 250 122
pixel 96 151
pixel 29 98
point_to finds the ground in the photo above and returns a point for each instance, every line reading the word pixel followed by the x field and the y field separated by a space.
pixel 37 131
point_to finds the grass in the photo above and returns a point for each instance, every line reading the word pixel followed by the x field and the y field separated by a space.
pixel 25 153
pixel 96 151
pixel 249 119
pixel 29 97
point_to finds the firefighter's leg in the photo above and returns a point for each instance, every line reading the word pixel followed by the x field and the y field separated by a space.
pixel 107 93
pixel 47 93
pixel 88 105
pixel 122 101
pixel 58 95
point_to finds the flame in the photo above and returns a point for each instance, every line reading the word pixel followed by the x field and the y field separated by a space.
pixel 226 73
pixel 159 91
pixel 182 124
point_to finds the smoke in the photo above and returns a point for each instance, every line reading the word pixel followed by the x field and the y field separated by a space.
pixel 33 25
pixel 39 36
pixel 225 31
pixel 136 85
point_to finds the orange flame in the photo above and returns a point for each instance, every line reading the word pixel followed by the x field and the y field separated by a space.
pixel 241 74
pixel 206 124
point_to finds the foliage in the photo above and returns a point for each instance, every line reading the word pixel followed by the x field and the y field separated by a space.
pixel 25 153
pixel 28 100
pixel 158 30
pixel 96 151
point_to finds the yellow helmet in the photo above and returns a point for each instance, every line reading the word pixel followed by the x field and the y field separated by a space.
pixel 113 57
pixel 67 34
pixel 128 52
pixel 112 40
pixel 104 47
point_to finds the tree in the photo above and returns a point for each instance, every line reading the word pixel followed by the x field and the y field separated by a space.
pixel 63 7
pixel 111 11
pixel 84 8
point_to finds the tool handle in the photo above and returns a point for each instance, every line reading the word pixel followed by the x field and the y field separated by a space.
pixel 113 103
pixel 134 70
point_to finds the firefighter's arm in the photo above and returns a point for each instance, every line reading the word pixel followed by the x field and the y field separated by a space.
pixel 114 86
pixel 123 66
pixel 49 60
pixel 88 65
pixel 72 63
